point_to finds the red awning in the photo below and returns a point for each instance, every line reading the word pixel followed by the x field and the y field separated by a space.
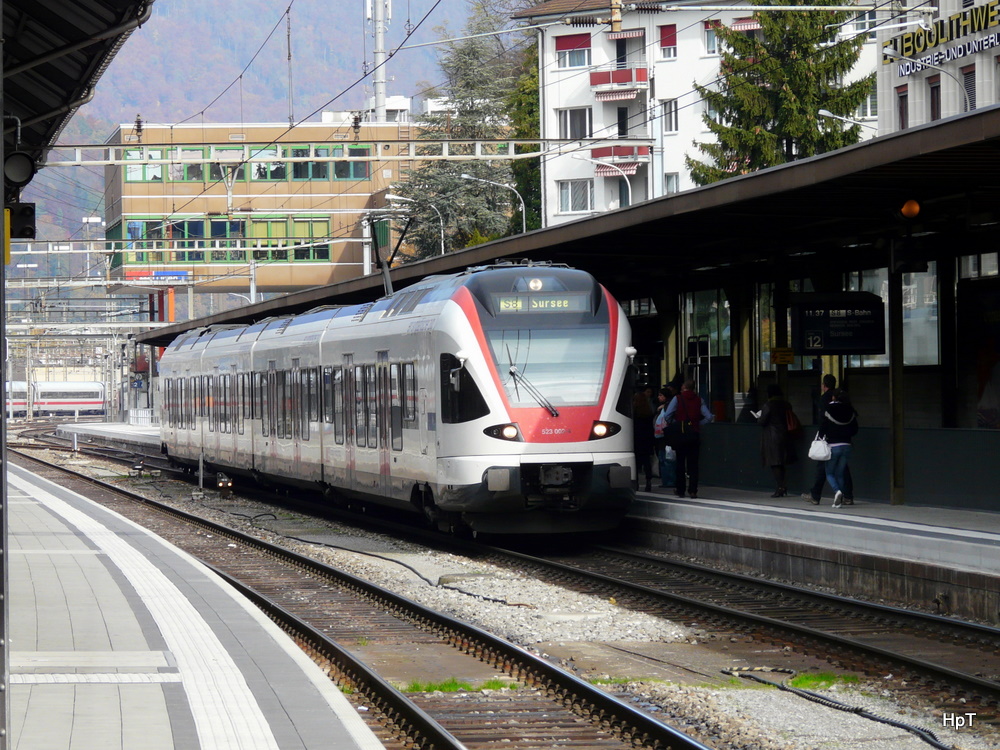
pixel 618 95
pixel 629 34
pixel 606 170
pixel 745 24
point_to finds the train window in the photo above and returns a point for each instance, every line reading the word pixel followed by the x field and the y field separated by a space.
pixel 213 402
pixel 283 402
pixel 624 405
pixel 371 390
pixel 206 396
pixel 328 395
pixel 225 415
pixel 312 374
pixel 395 408
pixel 338 406
pixel 240 406
pixel 305 394
pixel 461 399
pixel 246 395
pixel 265 403
pixel 409 392
pixel 360 413
pixel 192 407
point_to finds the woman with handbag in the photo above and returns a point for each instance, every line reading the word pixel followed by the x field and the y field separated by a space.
pixel 775 417
pixel 839 425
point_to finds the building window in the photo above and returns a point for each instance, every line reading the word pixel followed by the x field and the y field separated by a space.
pixel 143 172
pixel 711 38
pixel 706 316
pixel 623 122
pixel 180 172
pixel 309 170
pixel 969 83
pixel 671 183
pixel 934 97
pixel 902 108
pixel 230 160
pixel 574 124
pixel 269 168
pixel 868 109
pixel 669 108
pixel 312 237
pixel 711 112
pixel 573 51
pixel 920 315
pixel 668 42
pixel 351 170
pixel 866 22
pixel 576 195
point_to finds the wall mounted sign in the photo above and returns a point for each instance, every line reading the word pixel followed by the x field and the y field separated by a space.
pixel 839 323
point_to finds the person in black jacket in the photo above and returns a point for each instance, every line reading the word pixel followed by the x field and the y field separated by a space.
pixel 816 491
pixel 775 445
pixel 839 425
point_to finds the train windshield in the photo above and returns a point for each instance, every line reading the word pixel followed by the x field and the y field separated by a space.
pixel 564 366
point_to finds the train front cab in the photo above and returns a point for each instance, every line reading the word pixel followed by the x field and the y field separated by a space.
pixel 535 408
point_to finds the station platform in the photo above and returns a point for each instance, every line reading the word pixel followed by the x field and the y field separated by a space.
pixel 118 639
pixel 942 558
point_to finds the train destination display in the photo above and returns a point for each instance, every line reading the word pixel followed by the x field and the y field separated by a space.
pixel 534 303
pixel 843 323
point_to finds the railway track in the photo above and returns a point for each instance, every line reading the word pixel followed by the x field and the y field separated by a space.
pixel 953 663
pixel 324 609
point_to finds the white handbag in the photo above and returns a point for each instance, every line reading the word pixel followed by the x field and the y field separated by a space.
pixel 819 449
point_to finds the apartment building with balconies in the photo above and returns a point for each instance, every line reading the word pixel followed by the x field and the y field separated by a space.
pixel 634 84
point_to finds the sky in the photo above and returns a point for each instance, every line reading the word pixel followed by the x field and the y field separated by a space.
pixel 227 60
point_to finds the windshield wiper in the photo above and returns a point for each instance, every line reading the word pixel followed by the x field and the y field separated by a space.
pixel 532 390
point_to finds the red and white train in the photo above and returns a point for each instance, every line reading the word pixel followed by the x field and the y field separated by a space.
pixel 47 398
pixel 497 399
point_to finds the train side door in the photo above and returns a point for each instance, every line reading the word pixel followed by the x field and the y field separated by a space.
pixel 350 419
pixel 383 404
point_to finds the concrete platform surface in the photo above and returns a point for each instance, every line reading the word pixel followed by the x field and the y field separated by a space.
pixel 121 640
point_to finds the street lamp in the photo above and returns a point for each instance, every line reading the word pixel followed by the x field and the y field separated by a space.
pixel 893 54
pixel 410 200
pixel 828 113
pixel 628 186
pixel 524 213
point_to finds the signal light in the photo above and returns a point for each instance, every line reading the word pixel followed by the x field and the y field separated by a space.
pixel 21 220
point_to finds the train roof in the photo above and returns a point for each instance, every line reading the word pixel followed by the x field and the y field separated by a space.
pixel 503 276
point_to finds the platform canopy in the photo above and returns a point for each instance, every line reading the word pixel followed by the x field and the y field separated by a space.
pixel 824 215
pixel 54 52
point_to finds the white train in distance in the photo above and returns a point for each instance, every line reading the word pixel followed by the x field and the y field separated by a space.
pixel 50 398
pixel 496 400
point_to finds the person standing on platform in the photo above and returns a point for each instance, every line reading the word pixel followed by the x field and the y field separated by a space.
pixel 688 410
pixel 839 425
pixel 642 437
pixel 664 453
pixel 775 442
pixel 815 493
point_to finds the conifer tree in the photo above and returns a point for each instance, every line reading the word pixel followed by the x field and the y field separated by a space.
pixel 772 84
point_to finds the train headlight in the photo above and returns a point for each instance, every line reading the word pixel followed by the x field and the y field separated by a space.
pixel 601 430
pixel 503 432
